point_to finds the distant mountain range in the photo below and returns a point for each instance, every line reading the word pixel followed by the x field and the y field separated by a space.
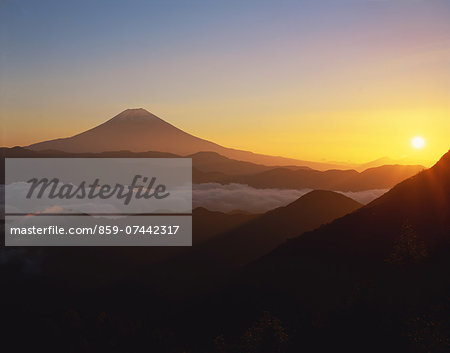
pixel 383 177
pixel 137 130
pixel 211 167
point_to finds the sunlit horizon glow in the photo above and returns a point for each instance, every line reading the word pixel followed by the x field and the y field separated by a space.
pixel 349 81
pixel 418 142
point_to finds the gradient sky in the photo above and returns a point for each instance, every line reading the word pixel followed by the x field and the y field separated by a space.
pixel 334 80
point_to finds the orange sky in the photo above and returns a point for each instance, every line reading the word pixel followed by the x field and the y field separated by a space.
pixel 350 83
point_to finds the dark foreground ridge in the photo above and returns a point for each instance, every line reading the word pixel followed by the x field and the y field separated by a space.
pixel 375 280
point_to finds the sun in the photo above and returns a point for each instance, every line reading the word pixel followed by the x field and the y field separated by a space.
pixel 418 142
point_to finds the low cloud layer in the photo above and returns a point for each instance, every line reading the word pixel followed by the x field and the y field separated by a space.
pixel 226 198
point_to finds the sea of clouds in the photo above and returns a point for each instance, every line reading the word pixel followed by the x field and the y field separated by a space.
pixel 230 197
pixel 226 198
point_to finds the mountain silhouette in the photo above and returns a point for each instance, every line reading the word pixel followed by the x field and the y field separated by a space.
pixel 211 167
pixel 135 130
pixel 377 279
pixel 420 204
pixel 385 262
pixel 258 237
pixel 253 239
pixel 218 169
pixel 212 162
pixel 138 130
pixel 383 177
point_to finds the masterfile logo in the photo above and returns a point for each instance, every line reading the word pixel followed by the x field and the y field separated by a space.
pixel 98 201
pixel 97 190
pixel 98 185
